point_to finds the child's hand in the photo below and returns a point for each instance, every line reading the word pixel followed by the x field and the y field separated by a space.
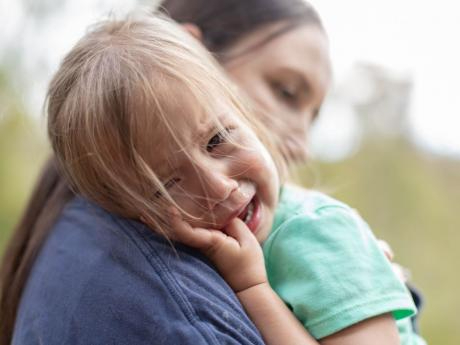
pixel 236 253
pixel 401 272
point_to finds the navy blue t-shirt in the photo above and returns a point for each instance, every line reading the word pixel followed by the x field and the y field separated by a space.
pixel 102 279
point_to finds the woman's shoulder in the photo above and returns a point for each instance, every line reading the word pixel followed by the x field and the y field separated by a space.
pixel 99 276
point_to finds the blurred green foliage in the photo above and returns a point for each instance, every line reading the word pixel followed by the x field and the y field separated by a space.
pixel 22 152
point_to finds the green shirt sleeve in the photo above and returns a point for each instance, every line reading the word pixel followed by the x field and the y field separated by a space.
pixel 328 268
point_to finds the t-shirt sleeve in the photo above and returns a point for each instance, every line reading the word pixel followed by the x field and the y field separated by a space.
pixel 329 269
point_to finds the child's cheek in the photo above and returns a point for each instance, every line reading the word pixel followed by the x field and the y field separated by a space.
pixel 260 168
pixel 250 162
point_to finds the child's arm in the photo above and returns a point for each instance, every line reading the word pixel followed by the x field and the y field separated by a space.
pixel 273 319
pixel 379 330
pixel 239 259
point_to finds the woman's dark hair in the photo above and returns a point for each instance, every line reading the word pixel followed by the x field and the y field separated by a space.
pixel 222 23
pixel 50 195
pixel 225 22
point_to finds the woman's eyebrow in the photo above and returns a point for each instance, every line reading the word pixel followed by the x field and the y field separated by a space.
pixel 294 72
pixel 302 78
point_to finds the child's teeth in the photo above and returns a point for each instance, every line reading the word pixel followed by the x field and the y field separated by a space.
pixel 249 214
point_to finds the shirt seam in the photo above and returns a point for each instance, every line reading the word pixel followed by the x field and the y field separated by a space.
pixel 375 302
pixel 297 213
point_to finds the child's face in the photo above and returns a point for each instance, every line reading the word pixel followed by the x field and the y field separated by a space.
pixel 223 174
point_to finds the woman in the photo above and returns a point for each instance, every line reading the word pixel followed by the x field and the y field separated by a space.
pixel 179 286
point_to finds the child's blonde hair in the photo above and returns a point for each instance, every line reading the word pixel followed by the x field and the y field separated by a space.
pixel 112 89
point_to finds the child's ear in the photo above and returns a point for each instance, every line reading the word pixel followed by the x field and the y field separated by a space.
pixel 193 30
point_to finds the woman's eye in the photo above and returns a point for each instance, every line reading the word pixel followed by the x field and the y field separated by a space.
pixel 287 93
pixel 291 94
pixel 218 139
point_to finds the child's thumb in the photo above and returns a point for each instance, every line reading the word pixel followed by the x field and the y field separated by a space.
pixel 240 231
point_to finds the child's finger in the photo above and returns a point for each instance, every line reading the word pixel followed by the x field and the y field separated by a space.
pixel 194 237
pixel 239 231
pixel 385 247
pixel 181 231
pixel 402 272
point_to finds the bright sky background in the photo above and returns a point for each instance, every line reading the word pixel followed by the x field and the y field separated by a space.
pixel 415 37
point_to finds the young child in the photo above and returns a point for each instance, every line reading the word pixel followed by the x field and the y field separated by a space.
pixel 144 124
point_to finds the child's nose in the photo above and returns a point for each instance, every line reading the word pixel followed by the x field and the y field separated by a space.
pixel 218 187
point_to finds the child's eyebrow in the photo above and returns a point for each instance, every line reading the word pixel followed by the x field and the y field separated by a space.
pixel 208 128
pixel 165 167
pixel 206 131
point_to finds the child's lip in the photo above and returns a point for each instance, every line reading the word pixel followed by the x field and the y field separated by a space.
pixel 244 210
pixel 238 211
pixel 254 222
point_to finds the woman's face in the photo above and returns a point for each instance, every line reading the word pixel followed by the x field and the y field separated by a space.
pixel 288 78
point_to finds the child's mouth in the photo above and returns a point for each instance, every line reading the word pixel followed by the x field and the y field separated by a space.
pixel 246 215
pixel 251 215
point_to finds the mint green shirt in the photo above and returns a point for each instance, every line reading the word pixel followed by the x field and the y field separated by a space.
pixel 325 263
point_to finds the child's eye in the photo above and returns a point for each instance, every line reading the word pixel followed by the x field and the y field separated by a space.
pixel 168 184
pixel 171 183
pixel 217 139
